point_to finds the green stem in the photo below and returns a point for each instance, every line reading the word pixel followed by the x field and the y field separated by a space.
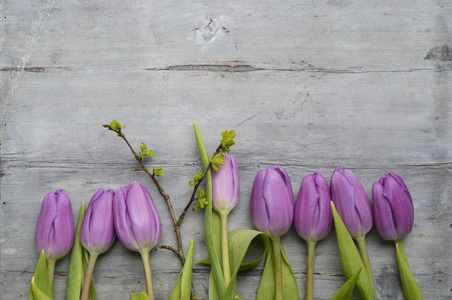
pixel 89 275
pixel 224 248
pixel 276 244
pixel 363 249
pixel 402 250
pixel 214 260
pixel 51 270
pixel 310 271
pixel 147 273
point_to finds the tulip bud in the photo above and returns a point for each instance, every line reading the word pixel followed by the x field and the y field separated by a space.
pixel 98 231
pixel 137 221
pixel 393 207
pixel 272 202
pixel 351 202
pixel 312 213
pixel 55 229
pixel 225 185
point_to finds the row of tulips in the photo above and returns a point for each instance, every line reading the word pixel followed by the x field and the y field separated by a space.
pixel 273 210
pixel 129 214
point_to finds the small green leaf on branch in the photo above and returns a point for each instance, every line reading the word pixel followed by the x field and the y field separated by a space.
pixel 115 126
pixel 158 172
pixel 227 140
pixel 144 152
pixel 202 200
pixel 217 160
pixel 195 180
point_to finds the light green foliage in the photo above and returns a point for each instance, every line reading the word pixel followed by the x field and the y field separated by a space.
pixel 227 140
pixel 346 291
pixel 195 180
pixel 266 289
pixel 144 152
pixel 350 258
pixel 37 293
pixel 78 265
pixel 40 287
pixel 182 289
pixel 202 200
pixel 158 172
pixel 114 125
pixel 217 160
pixel 140 296
pixel 410 289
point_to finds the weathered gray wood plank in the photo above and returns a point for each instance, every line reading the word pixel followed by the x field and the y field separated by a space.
pixel 310 86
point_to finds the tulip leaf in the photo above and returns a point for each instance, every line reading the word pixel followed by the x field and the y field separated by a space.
pixel 41 280
pixel 37 293
pixel 346 291
pixel 182 289
pixel 240 241
pixel 211 222
pixel 350 258
pixel 78 265
pixel 410 289
pixel 140 296
pixel 266 289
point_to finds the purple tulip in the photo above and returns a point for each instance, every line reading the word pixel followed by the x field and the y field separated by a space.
pixel 393 207
pixel 271 202
pixel 312 214
pixel 225 185
pixel 98 231
pixel 351 202
pixel 137 221
pixel 55 229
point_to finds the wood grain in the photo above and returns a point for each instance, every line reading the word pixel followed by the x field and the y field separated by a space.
pixel 307 85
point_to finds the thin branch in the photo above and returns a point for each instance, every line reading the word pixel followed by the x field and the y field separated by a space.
pixel 193 195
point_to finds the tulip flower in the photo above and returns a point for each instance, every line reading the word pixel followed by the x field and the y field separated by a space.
pixel 138 224
pixel 313 218
pixel 271 209
pixel 225 186
pixel 394 218
pixel 393 207
pixel 354 208
pixel 55 229
pixel 225 196
pixel 98 231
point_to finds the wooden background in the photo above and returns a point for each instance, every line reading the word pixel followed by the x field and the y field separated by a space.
pixel 308 85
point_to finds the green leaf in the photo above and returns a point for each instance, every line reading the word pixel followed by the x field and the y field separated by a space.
pixel 240 241
pixel 37 293
pixel 346 291
pixel 182 289
pixel 227 140
pixel 266 289
pixel 192 183
pixel 211 222
pixel 78 265
pixel 158 172
pixel 140 296
pixel 350 258
pixel 143 147
pixel 114 125
pixel 410 289
pixel 41 280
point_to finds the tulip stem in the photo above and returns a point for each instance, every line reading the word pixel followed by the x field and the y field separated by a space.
pixel 89 275
pixel 363 249
pixel 224 248
pixel 276 244
pixel 147 273
pixel 402 250
pixel 310 271
pixel 51 270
